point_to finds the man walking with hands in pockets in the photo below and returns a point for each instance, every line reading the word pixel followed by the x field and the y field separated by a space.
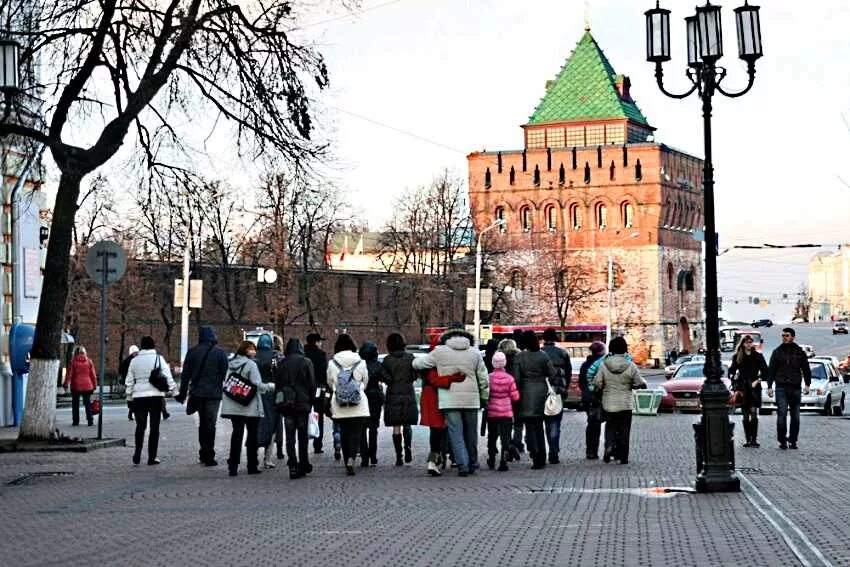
pixel 789 366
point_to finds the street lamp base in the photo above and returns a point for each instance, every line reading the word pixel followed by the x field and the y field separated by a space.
pixel 724 483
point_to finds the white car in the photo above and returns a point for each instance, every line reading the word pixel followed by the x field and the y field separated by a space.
pixel 826 395
pixel 809 350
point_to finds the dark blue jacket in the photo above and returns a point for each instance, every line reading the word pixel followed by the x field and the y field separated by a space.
pixel 204 382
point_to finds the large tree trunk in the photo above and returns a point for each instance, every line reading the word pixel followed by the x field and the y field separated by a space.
pixel 39 419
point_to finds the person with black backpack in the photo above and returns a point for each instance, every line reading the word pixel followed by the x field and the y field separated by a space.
pixel 347 378
pixel 295 383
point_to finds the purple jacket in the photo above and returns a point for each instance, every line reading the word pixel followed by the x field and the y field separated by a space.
pixel 503 392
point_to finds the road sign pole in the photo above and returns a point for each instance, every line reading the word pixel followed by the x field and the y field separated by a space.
pixel 104 275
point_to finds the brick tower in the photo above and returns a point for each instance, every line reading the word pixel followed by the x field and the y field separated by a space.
pixel 592 183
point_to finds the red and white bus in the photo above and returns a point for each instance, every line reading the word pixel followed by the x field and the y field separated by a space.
pixel 573 338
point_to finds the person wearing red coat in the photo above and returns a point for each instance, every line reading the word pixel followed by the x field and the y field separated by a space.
pixel 430 414
pixel 82 380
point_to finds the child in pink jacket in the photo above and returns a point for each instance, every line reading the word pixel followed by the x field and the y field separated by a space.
pixel 503 393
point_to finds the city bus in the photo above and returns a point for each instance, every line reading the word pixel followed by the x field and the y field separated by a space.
pixel 573 338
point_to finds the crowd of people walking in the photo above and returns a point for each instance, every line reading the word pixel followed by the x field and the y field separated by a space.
pixel 278 397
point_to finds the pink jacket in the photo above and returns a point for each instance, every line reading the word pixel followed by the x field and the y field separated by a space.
pixel 503 392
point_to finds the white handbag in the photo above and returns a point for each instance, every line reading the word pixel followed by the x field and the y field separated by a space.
pixel 554 404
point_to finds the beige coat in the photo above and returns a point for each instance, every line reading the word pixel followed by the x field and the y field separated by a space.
pixel 617 377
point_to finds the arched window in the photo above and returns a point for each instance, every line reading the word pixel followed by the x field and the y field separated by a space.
pixel 690 275
pixel 551 218
pixel 517 280
pixel 601 216
pixel 488 180
pixel 627 214
pixel 575 216
pixel 670 274
pixel 525 218
pixel 500 216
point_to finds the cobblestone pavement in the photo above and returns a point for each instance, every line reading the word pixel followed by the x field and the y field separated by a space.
pixel 576 513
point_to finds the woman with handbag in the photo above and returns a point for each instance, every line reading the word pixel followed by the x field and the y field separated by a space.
pixel 347 378
pixel 82 380
pixel 148 380
pixel 401 411
pixel 295 383
pixel 533 369
pixel 747 371
pixel 242 404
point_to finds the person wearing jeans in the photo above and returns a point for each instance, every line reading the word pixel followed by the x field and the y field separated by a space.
pixel 789 366
pixel 461 401
pixel 563 373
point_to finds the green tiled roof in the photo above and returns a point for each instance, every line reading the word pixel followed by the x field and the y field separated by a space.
pixel 585 90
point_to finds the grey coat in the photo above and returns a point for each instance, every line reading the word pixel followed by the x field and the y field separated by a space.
pixel 248 369
pixel 617 377
pixel 531 370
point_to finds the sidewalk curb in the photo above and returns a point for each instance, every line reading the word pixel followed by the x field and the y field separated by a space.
pixel 67 446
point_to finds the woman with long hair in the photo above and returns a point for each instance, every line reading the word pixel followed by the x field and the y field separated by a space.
pixel 747 371
pixel 347 378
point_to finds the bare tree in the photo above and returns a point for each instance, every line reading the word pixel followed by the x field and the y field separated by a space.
pixel 133 65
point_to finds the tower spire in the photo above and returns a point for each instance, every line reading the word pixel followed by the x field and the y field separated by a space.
pixel 586 15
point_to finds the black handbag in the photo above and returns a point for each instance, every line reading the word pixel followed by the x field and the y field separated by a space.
pixel 157 379
pixel 238 388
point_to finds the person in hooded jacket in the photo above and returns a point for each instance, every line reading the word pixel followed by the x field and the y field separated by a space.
pixel 245 418
pixel 270 427
pixel 349 417
pixel 146 399
pixel 204 371
pixel 431 416
pixel 532 369
pixel 375 397
pixel 503 394
pixel 82 380
pixel 590 401
pixel 123 368
pixel 294 376
pixel 462 400
pixel 401 411
pixel 510 349
pixel 563 373
pixel 616 378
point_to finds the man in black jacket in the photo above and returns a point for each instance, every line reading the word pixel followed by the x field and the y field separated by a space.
pixel 563 374
pixel 317 356
pixel 590 402
pixel 788 366
pixel 294 377
pixel 203 374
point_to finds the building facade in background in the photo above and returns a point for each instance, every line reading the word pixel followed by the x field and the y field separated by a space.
pixel 829 284
pixel 591 183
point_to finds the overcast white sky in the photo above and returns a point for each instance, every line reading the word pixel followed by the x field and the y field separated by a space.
pixel 418 84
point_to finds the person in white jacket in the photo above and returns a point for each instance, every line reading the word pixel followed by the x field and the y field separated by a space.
pixel 349 417
pixel 245 418
pixel 145 399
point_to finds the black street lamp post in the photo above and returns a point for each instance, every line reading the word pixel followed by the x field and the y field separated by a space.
pixel 716 461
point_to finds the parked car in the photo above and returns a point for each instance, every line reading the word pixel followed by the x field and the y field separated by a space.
pixel 826 395
pixel 839 327
pixel 681 392
pixel 809 350
pixel 762 323
pixel 670 369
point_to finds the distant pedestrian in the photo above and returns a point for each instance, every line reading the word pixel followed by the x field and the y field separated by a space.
pixel 431 416
pixel 617 377
pixel 563 373
pixel 203 373
pixel 490 349
pixel 510 349
pixel 145 398
pixel 270 428
pixel 500 414
pixel 789 366
pixel 123 368
pixel 347 377
pixel 747 371
pixel 296 383
pixel 375 397
pixel 532 370
pixel 313 351
pixel 462 400
pixel 245 418
pixel 401 411
pixel 591 401
pixel 82 380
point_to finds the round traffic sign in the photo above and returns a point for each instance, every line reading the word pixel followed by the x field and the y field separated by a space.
pixel 106 258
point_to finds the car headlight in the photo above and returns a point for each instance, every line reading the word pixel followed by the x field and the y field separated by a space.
pixel 819 391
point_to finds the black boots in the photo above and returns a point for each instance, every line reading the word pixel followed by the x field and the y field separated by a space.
pixel 407 433
pixel 397 445
pixel 538 460
pixel 503 463
pixel 751 431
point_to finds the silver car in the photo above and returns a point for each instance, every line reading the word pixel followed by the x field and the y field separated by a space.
pixel 826 394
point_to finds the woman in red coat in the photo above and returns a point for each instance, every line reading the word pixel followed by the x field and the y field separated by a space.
pixel 431 416
pixel 83 381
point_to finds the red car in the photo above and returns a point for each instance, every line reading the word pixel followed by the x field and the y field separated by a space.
pixel 681 392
